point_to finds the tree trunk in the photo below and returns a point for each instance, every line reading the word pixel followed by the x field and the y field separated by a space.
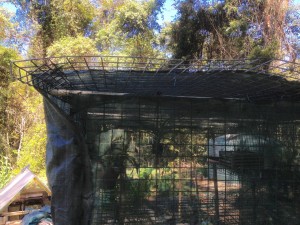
pixel 22 130
pixel 274 13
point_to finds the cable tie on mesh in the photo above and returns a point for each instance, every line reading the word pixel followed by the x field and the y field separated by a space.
pixel 174 84
pixel 248 98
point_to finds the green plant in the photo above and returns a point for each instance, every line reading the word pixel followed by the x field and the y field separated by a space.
pixel 139 184
pixel 5 171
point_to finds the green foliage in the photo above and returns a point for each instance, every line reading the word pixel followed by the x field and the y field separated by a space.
pixel 70 17
pixel 132 18
pixel 18 115
pixel 164 39
pixel 118 27
pixel 203 29
pixel 70 46
pixel 266 53
pixel 127 28
pixel 165 178
pixel 24 133
pixel 139 185
pixel 33 150
pixel 26 129
pixel 199 31
pixel 229 29
pixel 144 181
pixel 6 25
pixel 5 171
pixel 6 55
pixel 47 21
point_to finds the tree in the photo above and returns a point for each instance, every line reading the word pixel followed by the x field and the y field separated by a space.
pixel 71 18
pixel 20 114
pixel 204 30
pixel 22 126
pixel 6 158
pixel 6 55
pixel 118 27
pixel 291 43
pixel 49 21
pixel 6 24
pixel 33 147
pixel 73 46
pixel 128 27
pixel 5 170
pixel 229 29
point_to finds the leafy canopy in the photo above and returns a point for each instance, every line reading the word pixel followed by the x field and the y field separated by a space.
pixel 72 46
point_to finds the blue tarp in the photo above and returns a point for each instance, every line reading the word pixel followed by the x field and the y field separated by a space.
pixel 36 217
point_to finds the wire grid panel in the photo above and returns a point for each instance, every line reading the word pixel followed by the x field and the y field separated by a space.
pixel 165 162
pixel 237 79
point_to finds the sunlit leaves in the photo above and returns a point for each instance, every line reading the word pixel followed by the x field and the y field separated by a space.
pixel 7 26
pixel 5 170
pixel 22 132
pixel 73 46
pixel 229 29
pixel 128 28
pixel 132 18
pixel 70 18
pixel 33 149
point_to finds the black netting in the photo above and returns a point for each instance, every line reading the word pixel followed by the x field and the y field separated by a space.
pixel 164 161
pixel 209 152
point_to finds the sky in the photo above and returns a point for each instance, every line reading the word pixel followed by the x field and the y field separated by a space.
pixel 9 7
pixel 169 11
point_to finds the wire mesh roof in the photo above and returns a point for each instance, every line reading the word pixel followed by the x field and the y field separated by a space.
pixel 250 80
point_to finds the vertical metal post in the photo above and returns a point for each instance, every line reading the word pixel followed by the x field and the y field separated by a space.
pixel 215 178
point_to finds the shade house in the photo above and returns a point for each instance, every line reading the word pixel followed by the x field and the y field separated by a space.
pixel 170 142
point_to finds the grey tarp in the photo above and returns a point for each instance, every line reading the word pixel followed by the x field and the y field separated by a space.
pixel 68 169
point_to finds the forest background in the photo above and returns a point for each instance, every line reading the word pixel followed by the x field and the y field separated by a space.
pixel 200 29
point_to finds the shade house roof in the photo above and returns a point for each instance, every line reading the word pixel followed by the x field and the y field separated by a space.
pixel 248 80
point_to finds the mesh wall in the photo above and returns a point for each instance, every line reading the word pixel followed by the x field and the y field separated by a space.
pixel 212 146
pixel 166 161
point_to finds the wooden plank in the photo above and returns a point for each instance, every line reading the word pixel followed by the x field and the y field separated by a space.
pixel 16 222
pixel 16 213
pixel 33 195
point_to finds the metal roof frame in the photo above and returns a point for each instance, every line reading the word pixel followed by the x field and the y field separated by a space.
pixel 251 80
